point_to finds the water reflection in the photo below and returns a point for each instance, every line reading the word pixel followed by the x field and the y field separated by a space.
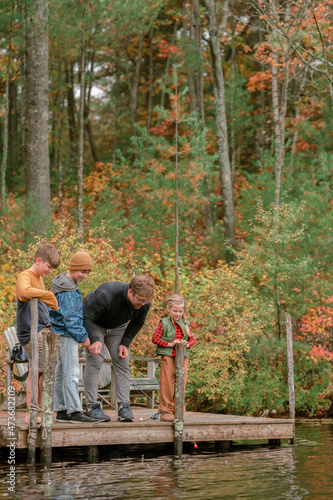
pixel 303 471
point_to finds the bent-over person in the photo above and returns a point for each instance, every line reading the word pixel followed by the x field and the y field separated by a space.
pixel 113 315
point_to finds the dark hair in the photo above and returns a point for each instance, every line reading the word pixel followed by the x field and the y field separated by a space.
pixel 142 285
pixel 48 253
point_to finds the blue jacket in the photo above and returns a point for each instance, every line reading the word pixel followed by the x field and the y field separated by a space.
pixel 68 321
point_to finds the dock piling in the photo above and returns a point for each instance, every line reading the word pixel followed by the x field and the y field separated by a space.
pixel 50 341
pixel 91 454
pixel 223 446
pixel 34 383
pixel 179 401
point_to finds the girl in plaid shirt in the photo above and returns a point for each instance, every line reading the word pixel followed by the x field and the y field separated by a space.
pixel 171 330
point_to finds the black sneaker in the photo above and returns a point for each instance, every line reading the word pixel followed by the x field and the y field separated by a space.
pixel 62 416
pixel 81 417
pixel 125 413
pixel 97 413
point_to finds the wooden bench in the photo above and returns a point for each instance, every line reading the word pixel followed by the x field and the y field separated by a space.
pixel 143 387
pixel 140 386
pixel 146 386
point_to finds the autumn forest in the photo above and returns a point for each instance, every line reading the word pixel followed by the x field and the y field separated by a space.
pixel 190 140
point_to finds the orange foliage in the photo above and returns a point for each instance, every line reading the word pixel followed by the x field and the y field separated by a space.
pixel 259 81
pixel 317 327
pixel 320 353
pixel 165 49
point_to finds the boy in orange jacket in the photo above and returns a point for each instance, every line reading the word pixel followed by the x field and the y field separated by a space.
pixel 30 285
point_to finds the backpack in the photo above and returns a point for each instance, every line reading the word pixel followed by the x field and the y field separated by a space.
pixel 19 355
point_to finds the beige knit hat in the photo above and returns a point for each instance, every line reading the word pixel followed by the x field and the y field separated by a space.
pixel 80 261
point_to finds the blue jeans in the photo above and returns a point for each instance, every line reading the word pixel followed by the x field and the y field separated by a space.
pixel 66 382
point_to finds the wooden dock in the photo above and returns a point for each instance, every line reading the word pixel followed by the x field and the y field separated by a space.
pixel 198 427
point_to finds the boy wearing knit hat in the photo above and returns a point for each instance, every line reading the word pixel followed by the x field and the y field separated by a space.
pixel 68 322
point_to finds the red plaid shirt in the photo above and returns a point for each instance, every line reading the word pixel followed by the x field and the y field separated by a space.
pixel 178 335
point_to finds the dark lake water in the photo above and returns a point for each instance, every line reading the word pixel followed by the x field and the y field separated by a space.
pixel 303 471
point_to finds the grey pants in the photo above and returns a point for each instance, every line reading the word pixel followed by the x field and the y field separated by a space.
pixel 111 338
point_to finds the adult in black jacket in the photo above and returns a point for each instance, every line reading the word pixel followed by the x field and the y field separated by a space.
pixel 112 315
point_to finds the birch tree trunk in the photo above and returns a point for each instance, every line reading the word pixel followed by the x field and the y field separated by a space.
pixel 81 138
pixel 150 90
pixel 199 76
pixel 116 108
pixel 278 170
pixel 276 126
pixel 5 132
pixel 69 69
pixel 221 126
pixel 279 112
pixel 279 118
pixel 296 133
pixel 187 44
pixel 59 130
pixel 200 103
pixel 22 76
pixel 168 64
pixel 135 86
pixel 279 108
pixel 13 117
pixel 87 122
pixel 38 196
pixel 232 112
pixel 260 130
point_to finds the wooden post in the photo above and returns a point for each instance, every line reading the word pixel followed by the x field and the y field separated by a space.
pixel 291 386
pixel 179 400
pixel 34 383
pixel 50 341
pixel 91 454
pixel 223 446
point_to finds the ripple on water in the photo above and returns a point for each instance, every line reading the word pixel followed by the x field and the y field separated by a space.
pixel 304 471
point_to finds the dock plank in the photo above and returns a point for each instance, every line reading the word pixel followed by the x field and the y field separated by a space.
pixel 197 427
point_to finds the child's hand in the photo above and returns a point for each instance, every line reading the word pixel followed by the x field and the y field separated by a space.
pixel 174 342
pixel 86 343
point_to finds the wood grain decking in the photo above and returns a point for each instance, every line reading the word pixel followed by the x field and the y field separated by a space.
pixel 197 427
